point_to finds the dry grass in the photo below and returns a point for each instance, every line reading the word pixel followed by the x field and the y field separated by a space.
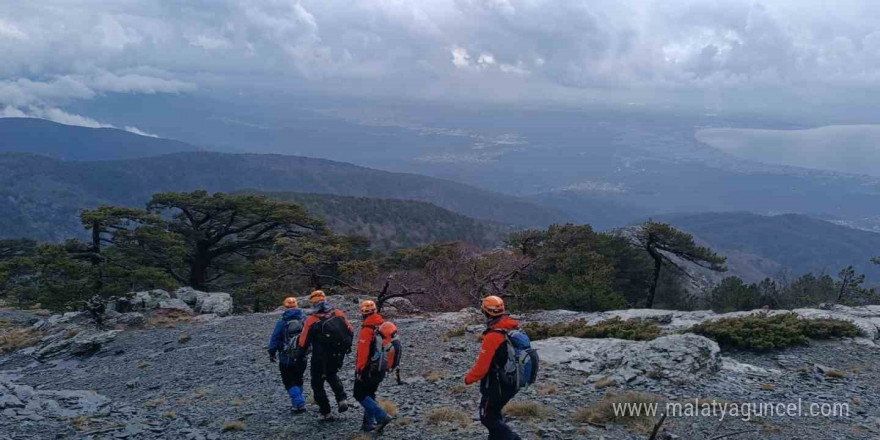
pixel 548 390
pixel 835 374
pixel 456 332
pixel 169 415
pixel 526 410
pixel 143 364
pixel 803 370
pixel 388 406
pixel 435 376
pixel 856 401
pixel 362 436
pixel 81 423
pixel 604 382
pixel 448 415
pixel 183 339
pixel 5 323
pixel 658 374
pixel 602 413
pixel 458 389
pixel 155 402
pixel 767 387
pixel 405 421
pixel 236 425
pixel 16 338
pixel 856 369
pixel 169 318
pixel 236 402
pixel 201 392
pixel 71 333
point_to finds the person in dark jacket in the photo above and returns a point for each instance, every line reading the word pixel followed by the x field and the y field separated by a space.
pixel 292 369
pixel 367 381
pixel 493 355
pixel 325 363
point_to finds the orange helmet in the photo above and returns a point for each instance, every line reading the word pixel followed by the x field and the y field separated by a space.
pixel 493 306
pixel 290 303
pixel 368 307
pixel 317 296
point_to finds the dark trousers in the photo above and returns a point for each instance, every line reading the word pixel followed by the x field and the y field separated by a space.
pixel 325 368
pixel 491 418
pixel 365 394
pixel 292 374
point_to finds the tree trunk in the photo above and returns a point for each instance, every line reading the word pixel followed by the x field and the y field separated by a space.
pixel 198 269
pixel 658 264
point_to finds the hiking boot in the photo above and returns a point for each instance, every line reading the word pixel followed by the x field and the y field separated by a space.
pixel 326 417
pixel 297 409
pixel 342 406
pixel 368 428
pixel 381 425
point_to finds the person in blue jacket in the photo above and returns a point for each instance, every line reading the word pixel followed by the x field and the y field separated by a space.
pixel 292 368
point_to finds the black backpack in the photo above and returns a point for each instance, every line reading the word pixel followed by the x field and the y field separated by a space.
pixel 292 329
pixel 333 334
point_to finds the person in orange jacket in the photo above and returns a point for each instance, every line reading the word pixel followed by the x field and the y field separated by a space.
pixel 492 356
pixel 367 379
pixel 327 354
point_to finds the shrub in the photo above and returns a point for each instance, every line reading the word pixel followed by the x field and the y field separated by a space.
pixel 526 410
pixel 12 338
pixel 611 328
pixel 548 390
pixel 604 382
pixel 236 425
pixel 456 332
pixel 445 414
pixel 603 412
pixel 183 339
pixel 762 332
pixel 389 407
pixel 435 376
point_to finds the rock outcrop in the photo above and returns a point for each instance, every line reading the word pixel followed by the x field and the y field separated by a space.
pixel 675 357
pixel 218 303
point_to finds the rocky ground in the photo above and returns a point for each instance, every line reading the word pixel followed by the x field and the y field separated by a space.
pixel 179 377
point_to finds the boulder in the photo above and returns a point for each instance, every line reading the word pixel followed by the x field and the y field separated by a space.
pixel 148 300
pixel 132 319
pixel 675 356
pixel 403 305
pixel 175 304
pixel 84 342
pixel 218 303
pixel 188 295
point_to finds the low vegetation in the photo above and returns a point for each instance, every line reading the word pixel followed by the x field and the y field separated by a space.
pixel 437 416
pixel 235 425
pixel 602 413
pixel 761 332
pixel 632 330
pixel 16 338
pixel 526 410
pixel 388 406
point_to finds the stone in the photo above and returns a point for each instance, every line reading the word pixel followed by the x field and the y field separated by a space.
pixel 218 303
pixel 403 305
pixel 133 319
pixel 675 356
pixel 10 401
pixel 175 304
pixel 89 342
pixel 188 295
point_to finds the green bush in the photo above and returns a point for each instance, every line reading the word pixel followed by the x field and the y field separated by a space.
pixel 611 328
pixel 763 332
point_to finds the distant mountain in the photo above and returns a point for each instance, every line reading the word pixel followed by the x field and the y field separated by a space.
pixel 798 243
pixel 391 224
pixel 601 212
pixel 67 142
pixel 40 196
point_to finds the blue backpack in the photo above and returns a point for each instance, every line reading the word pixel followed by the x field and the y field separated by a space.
pixel 521 368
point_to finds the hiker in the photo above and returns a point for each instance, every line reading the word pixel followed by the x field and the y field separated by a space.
pixel 372 364
pixel 285 339
pixel 329 334
pixel 493 356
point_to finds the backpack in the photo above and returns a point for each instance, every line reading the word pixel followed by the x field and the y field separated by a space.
pixel 521 368
pixel 292 330
pixel 385 351
pixel 333 334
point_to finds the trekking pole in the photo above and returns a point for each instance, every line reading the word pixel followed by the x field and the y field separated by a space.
pixel 399 382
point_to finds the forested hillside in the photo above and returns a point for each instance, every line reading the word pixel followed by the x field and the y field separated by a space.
pixel 40 196
pixel 391 224
pixel 800 243
pixel 39 136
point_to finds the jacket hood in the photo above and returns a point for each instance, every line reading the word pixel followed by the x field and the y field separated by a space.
pixel 374 320
pixel 293 314
pixel 504 323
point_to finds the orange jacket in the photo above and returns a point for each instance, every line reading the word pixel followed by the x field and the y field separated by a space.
pixel 311 320
pixel 491 342
pixel 365 340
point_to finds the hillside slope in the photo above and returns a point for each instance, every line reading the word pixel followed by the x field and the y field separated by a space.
pixel 40 196
pixel 391 224
pixel 797 242
pixel 39 136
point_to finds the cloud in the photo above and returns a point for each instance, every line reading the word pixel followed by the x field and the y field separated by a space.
pixel 525 49
pixel 62 117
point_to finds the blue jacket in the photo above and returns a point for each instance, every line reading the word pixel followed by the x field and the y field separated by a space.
pixel 276 342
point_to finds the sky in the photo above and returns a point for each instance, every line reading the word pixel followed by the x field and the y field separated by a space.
pixel 716 55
